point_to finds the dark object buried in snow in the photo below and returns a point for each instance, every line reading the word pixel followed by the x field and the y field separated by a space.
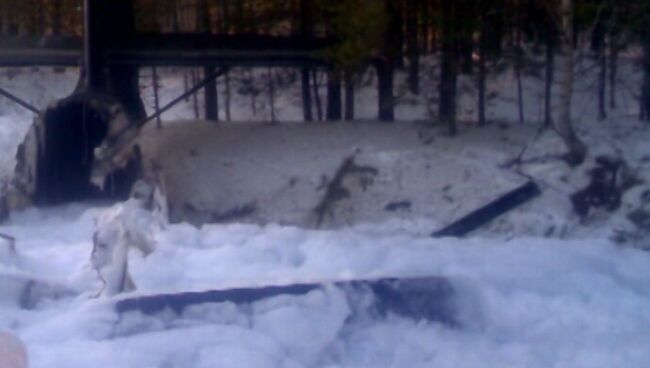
pixel 335 191
pixel 640 218
pixel 27 291
pixel 54 163
pixel 490 211
pixel 428 298
pixel 398 205
pixel 609 180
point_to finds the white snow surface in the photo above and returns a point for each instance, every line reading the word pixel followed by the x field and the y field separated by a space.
pixel 527 302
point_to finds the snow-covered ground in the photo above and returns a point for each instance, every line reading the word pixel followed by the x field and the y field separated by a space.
pixel 537 288
pixel 527 302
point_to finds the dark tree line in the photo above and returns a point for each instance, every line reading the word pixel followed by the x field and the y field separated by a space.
pixel 391 36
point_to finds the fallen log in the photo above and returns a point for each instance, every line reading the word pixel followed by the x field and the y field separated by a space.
pixel 428 298
pixel 491 211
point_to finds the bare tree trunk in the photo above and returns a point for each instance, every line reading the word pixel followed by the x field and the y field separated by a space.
pixel 227 92
pixel 520 94
pixel 210 96
pixel 464 29
pixel 390 53
pixel 222 13
pixel 519 59
pixel 222 27
pixel 176 26
pixel 271 93
pixel 645 91
pixel 549 76
pixel 349 95
pixel 519 56
pixel 306 30
pixel 602 83
pixel 563 125
pixel 448 67
pixel 481 80
pixel 195 99
pixel 156 100
pixel 333 95
pixel 482 55
pixel 424 27
pixel 4 19
pixel 56 17
pixel 385 71
pixel 240 16
pixel 186 84
pixel 306 94
pixel 613 71
pixel 412 49
pixel 396 34
pixel 319 107
pixel 42 17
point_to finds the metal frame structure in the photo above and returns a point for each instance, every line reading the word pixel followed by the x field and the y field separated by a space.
pixel 169 50
pixel 142 50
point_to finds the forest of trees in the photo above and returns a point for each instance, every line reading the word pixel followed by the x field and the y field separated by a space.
pixel 468 36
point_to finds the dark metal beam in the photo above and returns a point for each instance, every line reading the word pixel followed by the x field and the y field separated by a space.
pixel 19 101
pixel 171 50
pixel 92 49
pixel 421 298
pixel 221 58
pixel 490 211
pixel 40 51
pixel 180 98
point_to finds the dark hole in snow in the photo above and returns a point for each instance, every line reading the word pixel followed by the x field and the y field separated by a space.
pixel 72 130
pixel 610 179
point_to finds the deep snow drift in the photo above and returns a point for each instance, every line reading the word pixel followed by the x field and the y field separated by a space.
pixel 521 303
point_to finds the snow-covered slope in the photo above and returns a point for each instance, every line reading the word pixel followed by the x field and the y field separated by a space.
pixel 521 303
pixel 283 172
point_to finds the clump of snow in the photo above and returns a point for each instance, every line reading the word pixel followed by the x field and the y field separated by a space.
pixel 124 227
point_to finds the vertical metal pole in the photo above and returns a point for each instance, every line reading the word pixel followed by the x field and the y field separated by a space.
pixel 92 47
pixel 87 58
